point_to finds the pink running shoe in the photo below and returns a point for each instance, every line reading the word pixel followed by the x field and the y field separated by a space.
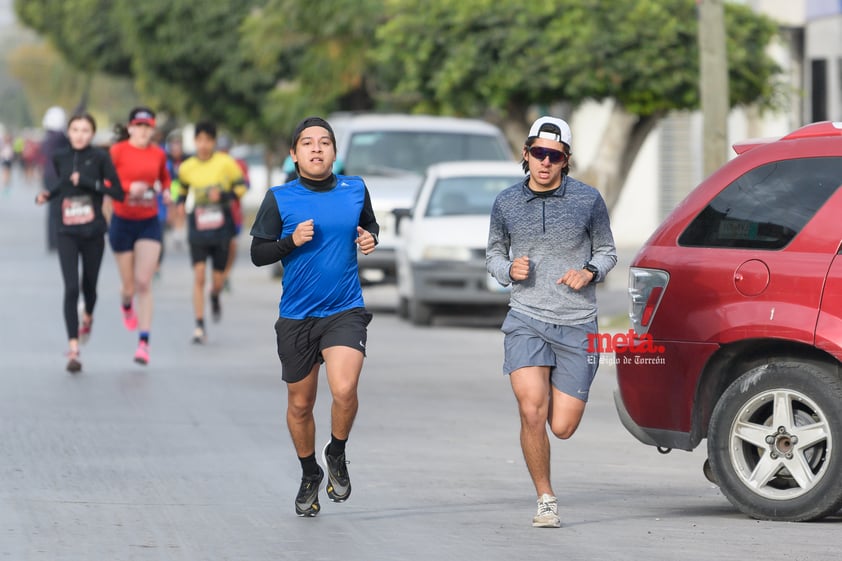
pixel 85 332
pixel 129 318
pixel 141 355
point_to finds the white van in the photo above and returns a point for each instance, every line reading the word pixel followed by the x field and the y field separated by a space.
pixel 391 153
pixel 441 257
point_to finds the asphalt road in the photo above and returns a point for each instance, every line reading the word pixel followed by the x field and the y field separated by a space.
pixel 189 458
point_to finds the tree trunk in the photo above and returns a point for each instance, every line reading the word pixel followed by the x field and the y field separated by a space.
pixel 82 106
pixel 515 127
pixel 621 143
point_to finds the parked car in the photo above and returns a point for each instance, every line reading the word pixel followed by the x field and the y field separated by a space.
pixel 736 307
pixel 441 254
pixel 391 153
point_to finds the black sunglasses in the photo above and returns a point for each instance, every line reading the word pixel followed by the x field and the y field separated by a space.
pixel 539 153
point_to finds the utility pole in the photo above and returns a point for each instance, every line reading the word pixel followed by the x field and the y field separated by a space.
pixel 713 84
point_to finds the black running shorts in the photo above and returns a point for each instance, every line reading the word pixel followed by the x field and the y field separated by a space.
pixel 301 341
pixel 218 254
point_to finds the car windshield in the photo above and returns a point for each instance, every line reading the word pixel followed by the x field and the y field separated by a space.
pixel 455 196
pixel 401 152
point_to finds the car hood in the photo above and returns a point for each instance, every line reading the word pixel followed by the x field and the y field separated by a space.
pixel 391 192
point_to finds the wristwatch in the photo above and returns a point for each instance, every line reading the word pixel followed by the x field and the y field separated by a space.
pixel 592 269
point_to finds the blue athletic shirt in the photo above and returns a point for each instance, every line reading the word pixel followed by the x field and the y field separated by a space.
pixel 321 277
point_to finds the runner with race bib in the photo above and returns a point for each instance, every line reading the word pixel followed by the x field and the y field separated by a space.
pixel 85 175
pixel 210 182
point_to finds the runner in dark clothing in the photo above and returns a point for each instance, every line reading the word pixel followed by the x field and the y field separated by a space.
pixel 55 140
pixel 84 176
pixel 317 224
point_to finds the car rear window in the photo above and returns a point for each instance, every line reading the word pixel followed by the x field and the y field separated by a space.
pixel 766 207
pixel 391 152
pixel 455 196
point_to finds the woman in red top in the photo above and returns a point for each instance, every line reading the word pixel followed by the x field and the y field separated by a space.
pixel 135 232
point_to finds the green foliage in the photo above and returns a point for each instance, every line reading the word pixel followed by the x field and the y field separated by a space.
pixel 753 76
pixel 258 66
pixel 49 80
pixel 319 53
pixel 86 32
pixel 187 55
pixel 644 53
pixel 184 56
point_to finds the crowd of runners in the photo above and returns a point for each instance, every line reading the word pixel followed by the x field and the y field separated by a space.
pixel 131 192
pixel 549 239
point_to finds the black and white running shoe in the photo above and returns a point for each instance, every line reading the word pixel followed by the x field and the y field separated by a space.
pixel 307 501
pixel 338 481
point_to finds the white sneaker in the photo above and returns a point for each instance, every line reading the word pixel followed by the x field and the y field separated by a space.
pixel 199 336
pixel 547 516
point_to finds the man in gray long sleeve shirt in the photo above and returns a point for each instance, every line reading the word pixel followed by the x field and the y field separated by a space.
pixel 550 239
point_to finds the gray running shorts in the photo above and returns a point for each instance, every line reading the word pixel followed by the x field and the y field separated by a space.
pixel 564 348
pixel 301 341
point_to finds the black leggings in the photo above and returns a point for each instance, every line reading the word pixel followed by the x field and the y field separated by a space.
pixel 70 248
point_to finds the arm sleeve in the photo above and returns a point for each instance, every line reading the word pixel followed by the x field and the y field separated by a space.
pixel 59 183
pixel 183 186
pixel 497 260
pixel 603 250
pixel 239 188
pixel 110 180
pixel 266 247
pixel 89 183
pixel 107 180
pixel 266 252
pixel 164 172
pixel 368 221
pixel 238 184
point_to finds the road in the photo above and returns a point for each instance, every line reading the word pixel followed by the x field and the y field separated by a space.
pixel 189 458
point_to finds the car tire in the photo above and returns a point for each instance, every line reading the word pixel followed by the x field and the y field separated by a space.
pixel 403 308
pixel 420 313
pixel 774 439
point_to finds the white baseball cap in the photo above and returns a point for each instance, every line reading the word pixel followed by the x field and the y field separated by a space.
pixel 551 128
pixel 55 119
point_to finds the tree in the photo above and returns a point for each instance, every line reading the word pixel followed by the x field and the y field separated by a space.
pixel 258 66
pixel 189 55
pixel 49 80
pixel 183 56
pixel 499 58
pixel 317 52
pixel 86 34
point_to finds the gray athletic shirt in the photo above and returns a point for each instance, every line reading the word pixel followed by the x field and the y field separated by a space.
pixel 564 230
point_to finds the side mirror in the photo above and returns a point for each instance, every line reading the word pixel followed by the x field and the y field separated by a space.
pixel 400 214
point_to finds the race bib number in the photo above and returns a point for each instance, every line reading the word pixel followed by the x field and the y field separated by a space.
pixel 77 210
pixel 209 217
pixel 148 199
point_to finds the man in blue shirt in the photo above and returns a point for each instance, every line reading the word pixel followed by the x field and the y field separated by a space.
pixel 314 225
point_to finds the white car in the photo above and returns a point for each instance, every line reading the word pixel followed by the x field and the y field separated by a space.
pixel 441 254
pixel 391 153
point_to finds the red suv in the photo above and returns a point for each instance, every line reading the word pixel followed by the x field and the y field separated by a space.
pixel 736 307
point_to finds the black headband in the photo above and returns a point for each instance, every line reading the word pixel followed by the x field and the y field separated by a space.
pixel 312 122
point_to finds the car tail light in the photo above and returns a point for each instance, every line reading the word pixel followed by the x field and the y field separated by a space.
pixel 646 288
